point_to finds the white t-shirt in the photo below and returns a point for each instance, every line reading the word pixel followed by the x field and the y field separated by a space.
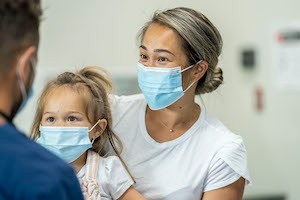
pixel 112 176
pixel 207 157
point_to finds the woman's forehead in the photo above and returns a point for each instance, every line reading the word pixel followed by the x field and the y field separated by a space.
pixel 159 36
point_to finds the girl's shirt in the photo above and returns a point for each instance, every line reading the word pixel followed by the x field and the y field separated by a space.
pixel 112 178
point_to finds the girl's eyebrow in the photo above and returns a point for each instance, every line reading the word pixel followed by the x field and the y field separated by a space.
pixel 47 113
pixel 69 112
pixel 74 112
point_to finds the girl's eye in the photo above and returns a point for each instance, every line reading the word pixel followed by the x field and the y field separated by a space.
pixel 163 59
pixel 50 119
pixel 72 119
pixel 142 56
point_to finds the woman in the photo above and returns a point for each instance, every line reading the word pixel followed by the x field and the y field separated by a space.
pixel 173 147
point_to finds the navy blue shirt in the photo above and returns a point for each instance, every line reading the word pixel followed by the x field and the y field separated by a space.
pixel 28 171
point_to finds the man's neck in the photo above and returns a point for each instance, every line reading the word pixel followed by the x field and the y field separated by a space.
pixel 6 101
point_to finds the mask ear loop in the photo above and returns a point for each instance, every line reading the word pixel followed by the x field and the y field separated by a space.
pixel 191 66
pixel 21 84
pixel 189 86
pixel 187 69
pixel 93 139
pixel 94 125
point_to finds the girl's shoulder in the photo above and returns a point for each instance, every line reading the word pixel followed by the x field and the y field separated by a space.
pixel 113 176
pixel 110 163
pixel 108 172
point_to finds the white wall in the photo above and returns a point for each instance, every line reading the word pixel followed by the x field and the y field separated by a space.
pixel 98 32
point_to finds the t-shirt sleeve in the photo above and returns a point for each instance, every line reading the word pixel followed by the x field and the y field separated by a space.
pixel 116 108
pixel 119 180
pixel 228 165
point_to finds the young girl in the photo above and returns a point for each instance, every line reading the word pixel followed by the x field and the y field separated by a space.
pixel 73 120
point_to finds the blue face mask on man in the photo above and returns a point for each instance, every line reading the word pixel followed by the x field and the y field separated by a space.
pixel 25 95
pixel 68 143
pixel 161 86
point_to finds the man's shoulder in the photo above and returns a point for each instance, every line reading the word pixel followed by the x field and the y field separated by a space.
pixel 31 169
pixel 17 149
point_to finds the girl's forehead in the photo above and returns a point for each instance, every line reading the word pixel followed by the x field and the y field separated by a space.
pixel 64 99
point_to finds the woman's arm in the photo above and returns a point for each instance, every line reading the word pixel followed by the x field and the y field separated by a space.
pixel 131 194
pixel 233 191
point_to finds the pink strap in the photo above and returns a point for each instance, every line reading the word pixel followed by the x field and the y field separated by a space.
pixel 89 183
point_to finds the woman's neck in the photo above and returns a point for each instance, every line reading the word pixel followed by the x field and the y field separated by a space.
pixel 180 112
pixel 172 122
pixel 176 114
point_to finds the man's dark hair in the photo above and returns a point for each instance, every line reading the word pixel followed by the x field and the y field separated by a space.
pixel 19 29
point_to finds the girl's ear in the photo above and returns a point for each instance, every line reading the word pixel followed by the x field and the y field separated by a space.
pixel 102 123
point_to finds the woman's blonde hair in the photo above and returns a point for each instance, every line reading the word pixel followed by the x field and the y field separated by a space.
pixel 94 86
pixel 200 40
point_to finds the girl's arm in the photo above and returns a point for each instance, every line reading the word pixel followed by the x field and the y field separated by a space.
pixel 131 194
pixel 233 191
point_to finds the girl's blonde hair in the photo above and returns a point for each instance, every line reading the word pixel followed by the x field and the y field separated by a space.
pixel 94 86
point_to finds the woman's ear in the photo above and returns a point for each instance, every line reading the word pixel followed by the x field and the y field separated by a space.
pixel 200 69
pixel 102 123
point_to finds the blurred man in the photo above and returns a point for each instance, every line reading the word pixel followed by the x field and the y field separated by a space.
pixel 27 171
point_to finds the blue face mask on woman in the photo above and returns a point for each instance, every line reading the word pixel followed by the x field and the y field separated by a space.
pixel 68 143
pixel 161 86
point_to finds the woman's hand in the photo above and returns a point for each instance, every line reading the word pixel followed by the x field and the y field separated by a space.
pixel 233 191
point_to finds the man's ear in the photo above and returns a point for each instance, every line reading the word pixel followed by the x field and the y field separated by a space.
pixel 25 62
pixel 99 128
pixel 200 70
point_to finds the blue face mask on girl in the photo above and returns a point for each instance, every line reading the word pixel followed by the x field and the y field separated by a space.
pixel 68 143
pixel 161 86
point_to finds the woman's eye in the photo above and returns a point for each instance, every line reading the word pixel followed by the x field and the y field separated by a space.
pixel 142 56
pixel 72 119
pixel 50 119
pixel 162 59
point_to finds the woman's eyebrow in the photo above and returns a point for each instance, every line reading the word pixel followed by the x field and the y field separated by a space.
pixel 164 51
pixel 158 50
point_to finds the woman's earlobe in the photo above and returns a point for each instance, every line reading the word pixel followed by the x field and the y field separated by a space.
pixel 201 69
pixel 203 65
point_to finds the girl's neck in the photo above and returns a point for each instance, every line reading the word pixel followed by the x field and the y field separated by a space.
pixel 79 162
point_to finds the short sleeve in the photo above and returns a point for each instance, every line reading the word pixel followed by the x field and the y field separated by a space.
pixel 229 164
pixel 119 180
